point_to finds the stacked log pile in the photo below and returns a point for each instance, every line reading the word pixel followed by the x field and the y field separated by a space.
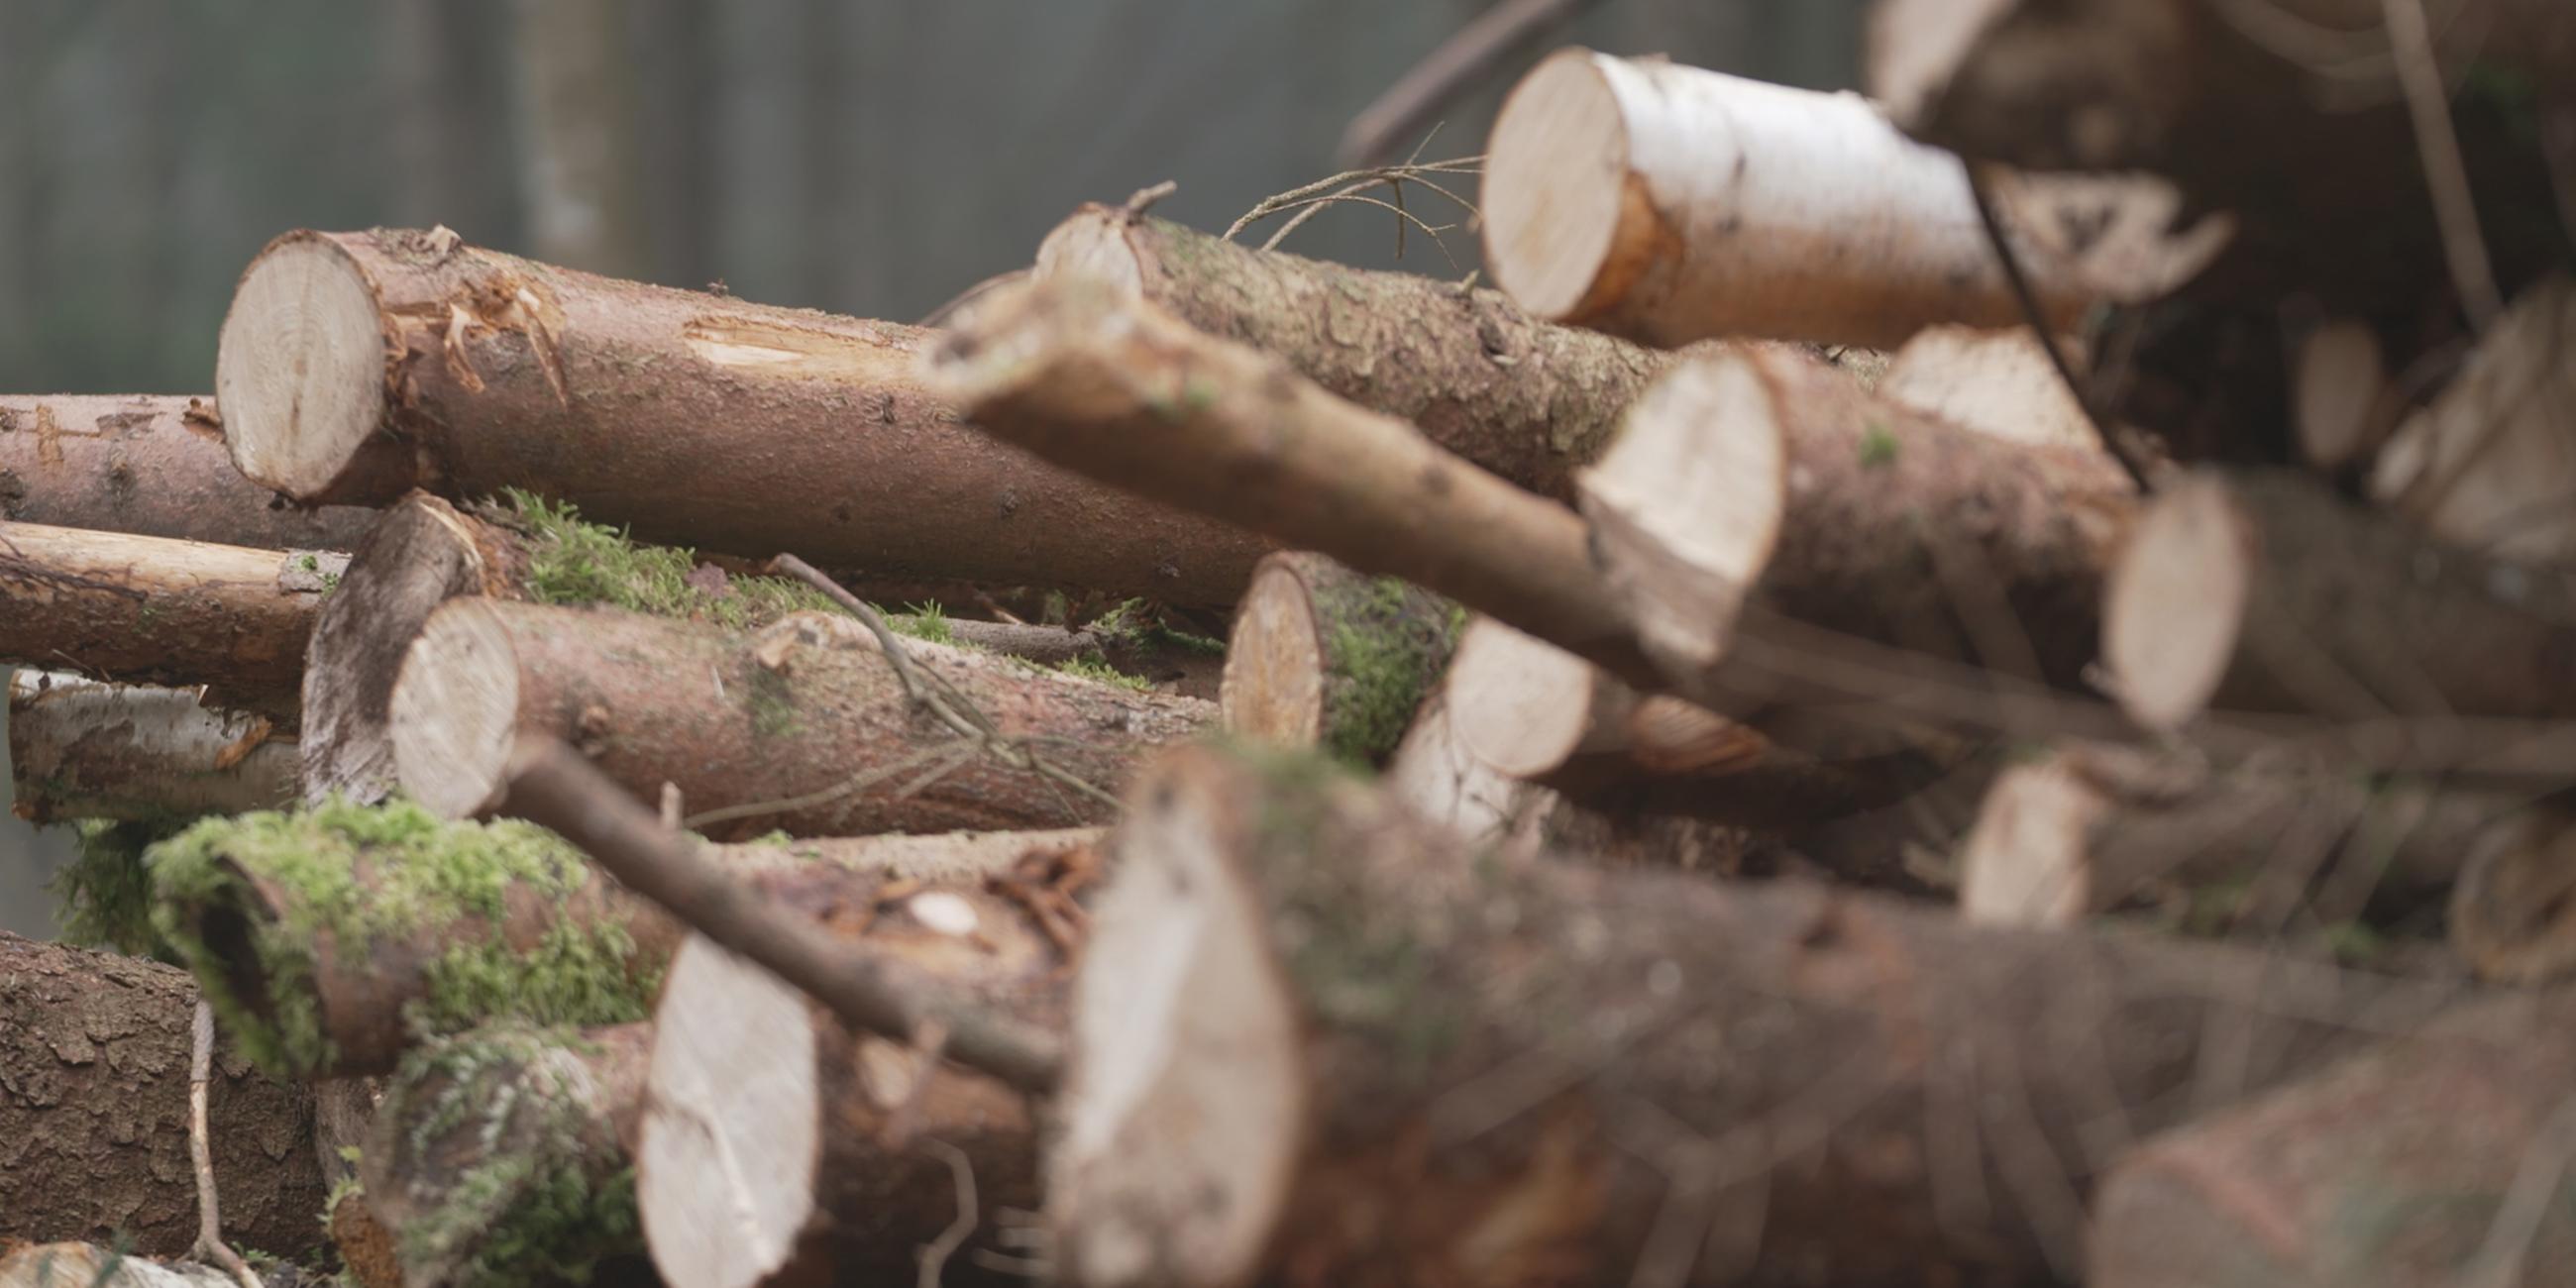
pixel 1926 694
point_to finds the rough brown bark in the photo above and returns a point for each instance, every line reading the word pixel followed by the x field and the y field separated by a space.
pixel 2513 913
pixel 1526 400
pixel 78 749
pixel 2266 592
pixel 150 464
pixel 1376 1058
pixel 356 365
pixel 2434 1160
pixel 92 1265
pixel 1322 656
pixel 804 716
pixel 161 611
pixel 94 1113
pixel 844 1141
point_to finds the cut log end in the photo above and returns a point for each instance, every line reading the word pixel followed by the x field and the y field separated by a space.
pixel 2023 863
pixel 1518 704
pixel 1181 1113
pixel 2513 913
pixel 455 710
pixel 1091 245
pixel 1559 214
pixel 2176 604
pixel 1274 663
pixel 300 367
pixel 419 556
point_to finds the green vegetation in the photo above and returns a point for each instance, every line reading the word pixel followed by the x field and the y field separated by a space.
pixel 1387 642
pixel 105 894
pixel 1877 447
pixel 571 561
pixel 1095 669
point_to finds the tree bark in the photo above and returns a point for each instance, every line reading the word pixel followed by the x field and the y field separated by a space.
pixel 94 1059
pixel 2512 918
pixel 2412 1166
pixel 804 716
pixel 2266 592
pixel 78 749
pixel 361 364
pixel 94 1265
pixel 1322 656
pixel 161 611
pixel 153 465
pixel 1523 399
pixel 1670 204
pixel 780 1147
pixel 1375 1058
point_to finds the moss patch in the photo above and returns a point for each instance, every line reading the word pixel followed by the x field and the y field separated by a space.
pixel 105 894
pixel 1386 641
pixel 361 874
pixel 1094 669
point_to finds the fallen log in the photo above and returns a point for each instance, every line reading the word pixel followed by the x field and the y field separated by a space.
pixel 1523 399
pixel 83 750
pixel 504 1155
pixel 153 465
pixel 1670 204
pixel 805 720
pixel 354 366
pixel 1172 661
pixel 151 610
pixel 2263 592
pixel 2436 1159
pixel 1322 656
pixel 2510 914
pixel 94 1265
pixel 1319 1039
pixel 94 1055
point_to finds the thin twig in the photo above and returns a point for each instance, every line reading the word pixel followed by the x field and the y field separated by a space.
pixel 1450 70
pixel 2428 105
pixel 201 1153
pixel 934 1258
pixel 1347 185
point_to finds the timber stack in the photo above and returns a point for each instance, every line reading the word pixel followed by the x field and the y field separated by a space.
pixel 1932 688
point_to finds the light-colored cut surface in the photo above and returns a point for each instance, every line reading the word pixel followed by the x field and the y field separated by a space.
pixel 1274 664
pixel 2176 604
pixel 300 366
pixel 2018 866
pixel 1998 383
pixel 455 710
pixel 1555 185
pixel 1519 704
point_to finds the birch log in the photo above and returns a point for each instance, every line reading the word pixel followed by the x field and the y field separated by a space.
pixel 80 749
pixel 150 464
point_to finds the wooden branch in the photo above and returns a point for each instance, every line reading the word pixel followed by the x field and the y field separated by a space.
pixel 160 611
pixel 1390 1050
pixel 153 465
pixel 94 1064
pixel 803 720
pixel 2266 592
pixel 1322 656
pixel 1510 394
pixel 354 366
pixel 1670 204
pixel 79 749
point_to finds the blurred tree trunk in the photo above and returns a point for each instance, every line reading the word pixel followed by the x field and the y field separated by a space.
pixel 578 153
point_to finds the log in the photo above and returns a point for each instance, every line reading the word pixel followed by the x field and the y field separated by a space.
pixel 1433 774
pixel 1998 383
pixel 354 366
pixel 150 464
pixel 79 749
pixel 1525 400
pixel 805 717
pixel 2260 592
pixel 1173 661
pixel 1322 656
pixel 781 1147
pixel 152 610
pixel 2510 913
pixel 1320 1040
pixel 505 1155
pixel 2433 1160
pixel 94 1054
pixel 1757 502
pixel 92 1265
pixel 1670 204
pixel 2490 463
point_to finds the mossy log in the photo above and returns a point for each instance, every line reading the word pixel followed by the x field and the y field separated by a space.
pixel 2266 592
pixel 780 1147
pixel 150 464
pixel 2436 1159
pixel 1670 204
pixel 354 366
pixel 80 749
pixel 94 1055
pixel 153 610
pixel 805 718
pixel 504 1156
pixel 95 1265
pixel 1322 656
pixel 1525 399
pixel 1319 1039
pixel 1760 508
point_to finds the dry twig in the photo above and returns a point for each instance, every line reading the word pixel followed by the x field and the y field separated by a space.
pixel 201 1153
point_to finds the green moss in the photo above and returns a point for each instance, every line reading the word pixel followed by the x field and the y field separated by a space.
pixel 575 562
pixel 772 703
pixel 105 895
pixel 427 881
pixel 923 622
pixel 1094 669
pixel 1877 447
pixel 1388 642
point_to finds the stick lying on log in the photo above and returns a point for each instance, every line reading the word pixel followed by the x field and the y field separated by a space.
pixel 80 749
pixel 2437 1159
pixel 1316 1037
pixel 2513 913
pixel 354 366
pixel 153 465
pixel 1519 397
pixel 154 610
pixel 1322 656
pixel 2266 592
pixel 1670 204
pixel 94 1055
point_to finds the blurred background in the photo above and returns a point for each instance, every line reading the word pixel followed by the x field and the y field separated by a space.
pixel 872 157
